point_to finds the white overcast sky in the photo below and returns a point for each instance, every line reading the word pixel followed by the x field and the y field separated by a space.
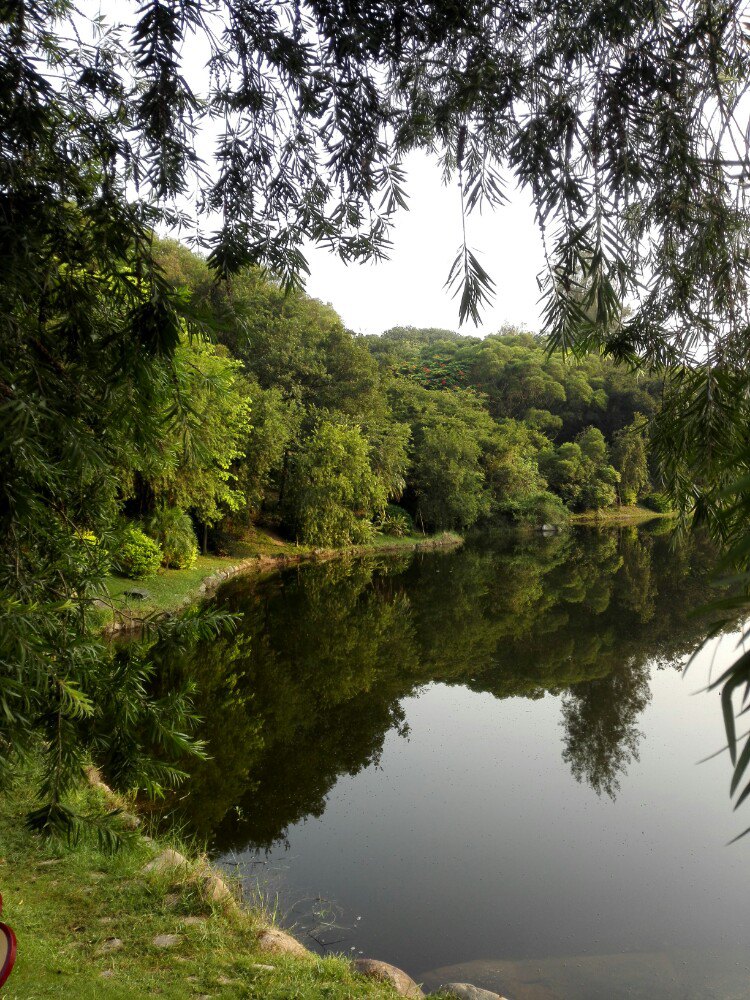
pixel 408 289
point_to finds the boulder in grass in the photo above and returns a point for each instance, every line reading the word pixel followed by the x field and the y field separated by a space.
pixel 111 944
pixel 465 991
pixel 215 890
pixel 276 942
pixel 403 984
pixel 166 861
pixel 166 940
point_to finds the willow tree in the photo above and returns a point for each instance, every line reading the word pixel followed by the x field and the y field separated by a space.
pixel 620 119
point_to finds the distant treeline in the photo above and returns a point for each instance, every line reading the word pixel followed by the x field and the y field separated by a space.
pixel 288 416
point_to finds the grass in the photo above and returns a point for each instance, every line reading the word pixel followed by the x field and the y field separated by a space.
pixel 167 590
pixel 617 515
pixel 412 541
pixel 66 904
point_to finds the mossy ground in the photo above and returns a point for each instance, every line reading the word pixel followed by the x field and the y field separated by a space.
pixel 65 904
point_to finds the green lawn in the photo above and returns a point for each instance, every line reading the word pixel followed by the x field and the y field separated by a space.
pixel 168 589
pixel 618 515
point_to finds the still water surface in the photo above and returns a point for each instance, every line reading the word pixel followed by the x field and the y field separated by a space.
pixel 481 765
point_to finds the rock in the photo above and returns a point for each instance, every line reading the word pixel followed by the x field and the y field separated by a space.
pixel 216 890
pixel 111 944
pixel 139 593
pixel 166 940
pixel 166 860
pixel 263 968
pixel 94 778
pixel 465 991
pixel 107 973
pixel 277 942
pixel 193 921
pixel 130 821
pixel 404 985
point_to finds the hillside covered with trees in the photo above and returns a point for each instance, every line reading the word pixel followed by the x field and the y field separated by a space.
pixel 331 437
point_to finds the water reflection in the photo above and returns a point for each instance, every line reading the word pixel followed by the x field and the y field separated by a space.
pixel 308 690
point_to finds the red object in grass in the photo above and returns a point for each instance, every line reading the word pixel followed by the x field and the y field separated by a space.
pixel 8 947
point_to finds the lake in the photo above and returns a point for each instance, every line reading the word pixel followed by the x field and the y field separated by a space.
pixel 481 764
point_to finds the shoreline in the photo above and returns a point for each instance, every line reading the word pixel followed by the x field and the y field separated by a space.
pixel 620 515
pixel 149 918
pixel 156 915
pixel 264 554
pixel 189 589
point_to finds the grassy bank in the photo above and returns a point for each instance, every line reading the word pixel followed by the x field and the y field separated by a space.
pixel 258 551
pixel 86 924
pixel 618 515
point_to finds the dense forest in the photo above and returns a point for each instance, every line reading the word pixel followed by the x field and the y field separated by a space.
pixel 332 437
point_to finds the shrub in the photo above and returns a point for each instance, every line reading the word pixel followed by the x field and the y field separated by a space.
pixel 539 508
pixel 396 521
pixel 173 530
pixel 137 556
pixel 658 502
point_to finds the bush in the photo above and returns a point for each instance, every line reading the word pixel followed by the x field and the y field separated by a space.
pixel 658 502
pixel 538 509
pixel 173 530
pixel 137 556
pixel 396 522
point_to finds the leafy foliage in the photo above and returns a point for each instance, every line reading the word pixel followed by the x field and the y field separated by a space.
pixel 137 555
pixel 395 521
pixel 658 502
pixel 630 459
pixel 333 491
pixel 173 530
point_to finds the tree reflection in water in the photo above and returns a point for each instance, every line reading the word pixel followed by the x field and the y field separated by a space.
pixel 311 684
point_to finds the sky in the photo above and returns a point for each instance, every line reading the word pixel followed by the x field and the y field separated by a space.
pixel 408 289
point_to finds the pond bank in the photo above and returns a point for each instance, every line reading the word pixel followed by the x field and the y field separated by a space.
pixel 619 515
pixel 148 919
pixel 262 553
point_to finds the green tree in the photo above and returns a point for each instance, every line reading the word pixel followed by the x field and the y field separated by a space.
pixel 629 457
pixel 579 471
pixel 204 409
pixel 448 480
pixel 276 423
pixel 333 493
